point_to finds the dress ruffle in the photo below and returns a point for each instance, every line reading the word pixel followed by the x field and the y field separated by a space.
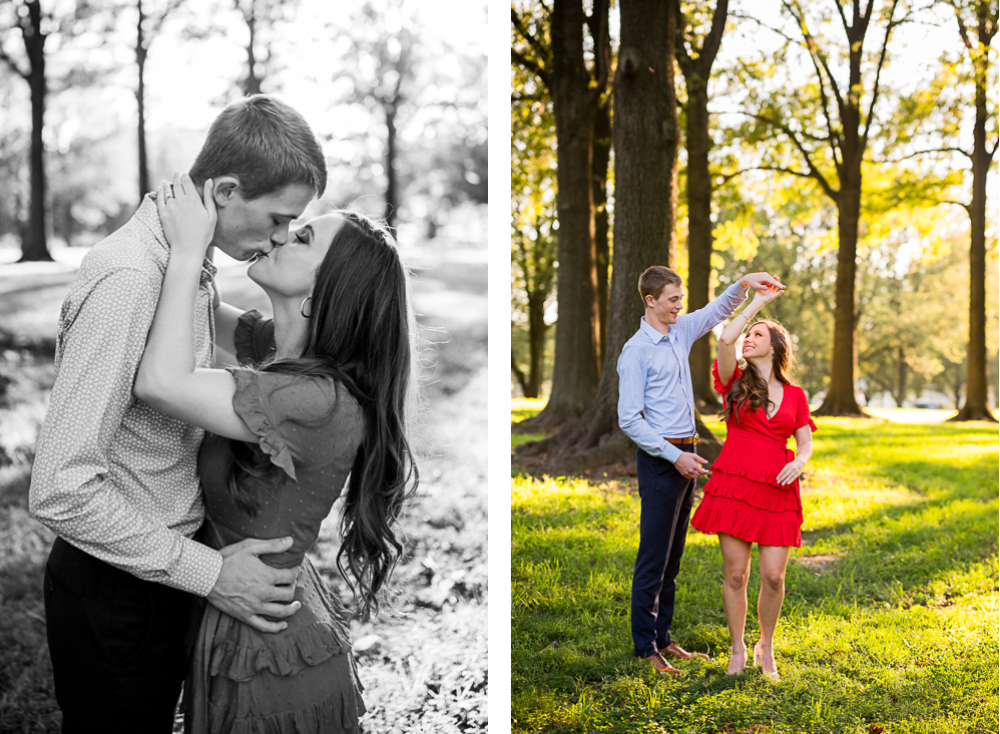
pixel 253 338
pixel 338 714
pixel 759 495
pixel 721 514
pixel 764 469
pixel 243 658
pixel 248 405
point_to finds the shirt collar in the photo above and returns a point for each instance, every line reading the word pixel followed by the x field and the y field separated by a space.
pixel 147 214
pixel 654 335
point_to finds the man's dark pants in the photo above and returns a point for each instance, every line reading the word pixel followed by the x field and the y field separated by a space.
pixel 666 498
pixel 117 645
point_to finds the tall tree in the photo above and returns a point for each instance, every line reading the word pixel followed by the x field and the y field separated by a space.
pixel 147 27
pixel 576 93
pixel 260 17
pixel 382 36
pixel 977 36
pixel 646 136
pixel 533 248
pixel 696 66
pixel 599 165
pixel 834 117
pixel 33 26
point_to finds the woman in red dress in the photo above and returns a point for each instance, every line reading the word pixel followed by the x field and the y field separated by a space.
pixel 753 493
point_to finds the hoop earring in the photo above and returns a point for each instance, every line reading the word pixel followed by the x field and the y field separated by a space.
pixel 302 308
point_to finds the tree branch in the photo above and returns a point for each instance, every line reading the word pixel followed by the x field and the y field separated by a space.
pixel 816 55
pixel 963 31
pixel 710 46
pixel 878 73
pixel 946 149
pixel 814 172
pixel 531 65
pixel 684 59
pixel 13 64
pixel 801 174
pixel 543 54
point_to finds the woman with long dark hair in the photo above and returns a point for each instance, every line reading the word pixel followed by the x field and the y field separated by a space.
pixel 753 493
pixel 319 407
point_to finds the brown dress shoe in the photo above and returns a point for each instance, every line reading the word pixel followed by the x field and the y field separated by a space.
pixel 661 665
pixel 676 651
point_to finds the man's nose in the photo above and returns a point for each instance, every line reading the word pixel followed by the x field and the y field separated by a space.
pixel 279 236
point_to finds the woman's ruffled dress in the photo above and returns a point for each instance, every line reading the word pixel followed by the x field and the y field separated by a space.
pixel 302 679
pixel 742 497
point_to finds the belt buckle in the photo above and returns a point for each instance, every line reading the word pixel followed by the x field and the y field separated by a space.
pixel 695 438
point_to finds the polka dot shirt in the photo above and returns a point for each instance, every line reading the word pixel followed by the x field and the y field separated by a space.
pixel 112 476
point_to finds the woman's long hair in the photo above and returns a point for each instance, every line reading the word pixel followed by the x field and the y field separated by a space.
pixel 749 391
pixel 362 334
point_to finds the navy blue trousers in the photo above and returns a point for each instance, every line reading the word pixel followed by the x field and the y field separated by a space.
pixel 666 498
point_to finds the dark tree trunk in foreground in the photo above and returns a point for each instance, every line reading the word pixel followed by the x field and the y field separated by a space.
pixel 645 144
pixel 976 392
pixel 574 105
pixel 697 70
pixel 32 27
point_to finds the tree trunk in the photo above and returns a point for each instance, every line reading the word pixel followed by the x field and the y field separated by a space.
pixel 840 396
pixel 699 191
pixel 253 81
pixel 519 375
pixel 34 246
pixel 536 338
pixel 140 98
pixel 976 397
pixel 645 144
pixel 900 394
pixel 391 187
pixel 575 370
pixel 602 250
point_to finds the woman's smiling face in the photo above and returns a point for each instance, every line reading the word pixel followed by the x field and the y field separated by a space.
pixel 290 269
pixel 757 342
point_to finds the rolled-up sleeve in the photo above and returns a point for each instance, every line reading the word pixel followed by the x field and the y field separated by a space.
pixel 72 490
pixel 631 392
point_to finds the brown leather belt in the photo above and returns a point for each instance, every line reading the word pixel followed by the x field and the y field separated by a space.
pixel 681 441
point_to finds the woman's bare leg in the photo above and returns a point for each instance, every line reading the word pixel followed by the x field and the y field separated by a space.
pixel 736 566
pixel 773 560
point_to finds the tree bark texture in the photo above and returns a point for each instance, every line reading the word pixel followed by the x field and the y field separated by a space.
pixel 645 143
pixel 575 366
pixel 34 245
pixel 976 392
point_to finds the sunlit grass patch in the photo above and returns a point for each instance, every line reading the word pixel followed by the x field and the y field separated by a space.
pixel 890 616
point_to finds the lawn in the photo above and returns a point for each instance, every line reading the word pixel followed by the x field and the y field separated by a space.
pixel 424 665
pixel 890 616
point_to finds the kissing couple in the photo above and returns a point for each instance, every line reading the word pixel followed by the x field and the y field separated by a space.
pixel 191 450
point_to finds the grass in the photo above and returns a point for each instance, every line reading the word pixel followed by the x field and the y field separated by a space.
pixel 890 615
pixel 424 666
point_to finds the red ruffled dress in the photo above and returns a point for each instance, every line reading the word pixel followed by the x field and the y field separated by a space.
pixel 742 497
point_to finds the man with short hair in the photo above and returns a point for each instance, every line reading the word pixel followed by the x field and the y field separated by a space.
pixel 656 410
pixel 117 481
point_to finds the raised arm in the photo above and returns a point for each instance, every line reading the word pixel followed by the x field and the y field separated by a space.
pixel 167 378
pixel 731 334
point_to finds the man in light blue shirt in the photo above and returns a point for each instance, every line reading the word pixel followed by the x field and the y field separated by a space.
pixel 656 410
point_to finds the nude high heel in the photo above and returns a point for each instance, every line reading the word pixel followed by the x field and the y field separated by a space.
pixel 758 659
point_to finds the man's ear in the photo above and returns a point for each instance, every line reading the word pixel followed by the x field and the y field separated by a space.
pixel 224 189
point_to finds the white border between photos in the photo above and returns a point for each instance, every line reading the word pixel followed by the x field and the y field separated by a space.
pixel 498 472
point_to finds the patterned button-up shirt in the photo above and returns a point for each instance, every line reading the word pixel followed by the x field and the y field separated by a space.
pixel 112 476
pixel 654 378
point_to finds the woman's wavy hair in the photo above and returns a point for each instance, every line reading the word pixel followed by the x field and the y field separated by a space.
pixel 749 391
pixel 362 334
